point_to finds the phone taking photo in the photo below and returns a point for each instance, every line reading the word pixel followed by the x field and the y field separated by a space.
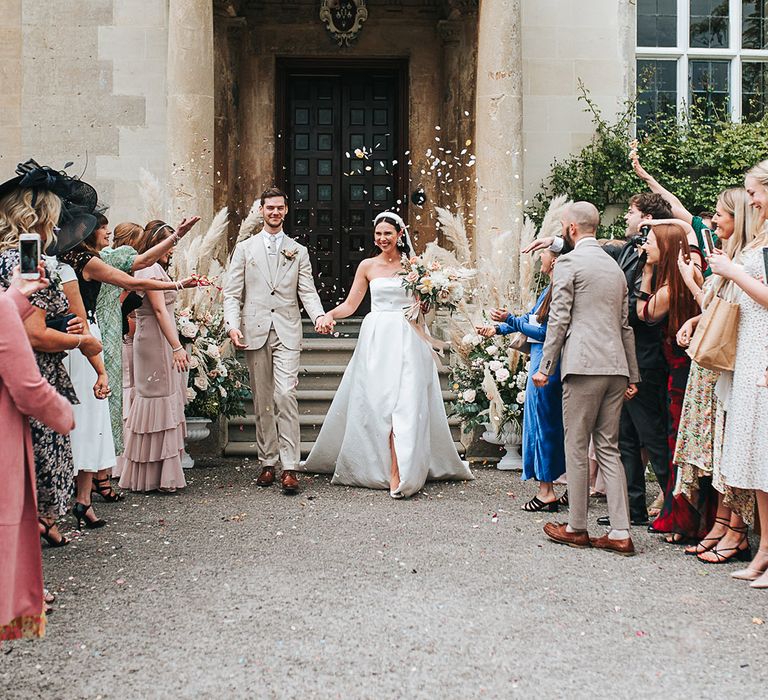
pixel 29 254
pixel 709 241
pixel 765 265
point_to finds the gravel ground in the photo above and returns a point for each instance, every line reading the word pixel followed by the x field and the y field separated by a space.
pixel 230 591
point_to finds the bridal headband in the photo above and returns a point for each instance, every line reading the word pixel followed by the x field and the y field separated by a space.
pixel 390 215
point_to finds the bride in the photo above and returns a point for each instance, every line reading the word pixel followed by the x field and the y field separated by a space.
pixel 386 427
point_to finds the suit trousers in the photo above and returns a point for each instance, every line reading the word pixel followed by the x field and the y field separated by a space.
pixel 273 370
pixel 644 424
pixel 591 407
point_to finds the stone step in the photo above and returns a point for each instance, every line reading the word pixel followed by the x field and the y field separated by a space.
pixel 329 376
pixel 243 429
pixel 248 449
pixel 346 328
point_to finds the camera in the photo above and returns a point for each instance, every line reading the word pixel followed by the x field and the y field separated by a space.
pixel 641 237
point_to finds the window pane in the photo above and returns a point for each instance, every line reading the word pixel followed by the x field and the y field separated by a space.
pixel 709 83
pixel 709 24
pixel 656 22
pixel 754 24
pixel 656 90
pixel 754 81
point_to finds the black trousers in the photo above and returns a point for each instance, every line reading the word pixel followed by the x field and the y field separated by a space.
pixel 644 423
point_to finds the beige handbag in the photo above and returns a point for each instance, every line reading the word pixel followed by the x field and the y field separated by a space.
pixel 519 341
pixel 713 345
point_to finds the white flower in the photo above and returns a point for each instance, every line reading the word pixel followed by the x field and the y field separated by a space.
pixel 469 395
pixel 213 351
pixel 222 370
pixel 495 365
pixel 492 350
pixel 521 381
pixel 201 382
pixel 194 363
pixel 503 374
pixel 472 339
pixel 520 398
pixel 191 393
pixel 188 330
pixel 222 391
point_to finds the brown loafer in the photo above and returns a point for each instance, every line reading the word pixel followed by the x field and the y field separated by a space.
pixel 558 533
pixel 267 477
pixel 624 547
pixel 289 482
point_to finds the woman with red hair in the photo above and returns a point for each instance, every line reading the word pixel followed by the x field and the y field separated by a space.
pixel 665 299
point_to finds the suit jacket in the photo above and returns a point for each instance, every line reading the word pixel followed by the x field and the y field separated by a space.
pixel 254 302
pixel 588 318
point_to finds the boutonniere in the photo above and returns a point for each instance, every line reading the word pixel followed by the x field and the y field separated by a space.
pixel 289 254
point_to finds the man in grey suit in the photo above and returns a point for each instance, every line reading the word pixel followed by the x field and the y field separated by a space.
pixel 268 274
pixel 588 322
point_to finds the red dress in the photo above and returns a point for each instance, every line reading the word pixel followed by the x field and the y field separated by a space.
pixel 23 393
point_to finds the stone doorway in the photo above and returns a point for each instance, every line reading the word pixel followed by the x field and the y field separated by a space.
pixel 340 151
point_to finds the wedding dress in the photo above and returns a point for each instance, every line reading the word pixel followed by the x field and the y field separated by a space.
pixel 390 386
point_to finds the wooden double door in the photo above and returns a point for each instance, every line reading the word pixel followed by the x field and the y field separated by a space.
pixel 341 146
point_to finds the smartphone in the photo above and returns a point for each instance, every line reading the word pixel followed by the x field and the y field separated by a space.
pixel 765 265
pixel 709 242
pixel 29 253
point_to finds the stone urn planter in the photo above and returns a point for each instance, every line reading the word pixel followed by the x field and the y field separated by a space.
pixel 511 439
pixel 197 429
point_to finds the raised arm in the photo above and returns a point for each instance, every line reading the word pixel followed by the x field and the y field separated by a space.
pixel 678 209
pixel 97 269
pixel 156 252
pixel 722 265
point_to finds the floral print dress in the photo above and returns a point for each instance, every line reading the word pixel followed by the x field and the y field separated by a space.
pixel 54 467
pixel 111 323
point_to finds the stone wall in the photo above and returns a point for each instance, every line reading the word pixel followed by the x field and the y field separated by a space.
pixel 564 42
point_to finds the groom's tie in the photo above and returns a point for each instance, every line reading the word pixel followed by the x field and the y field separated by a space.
pixel 272 255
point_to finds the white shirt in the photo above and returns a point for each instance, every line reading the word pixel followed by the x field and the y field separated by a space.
pixel 559 243
pixel 276 237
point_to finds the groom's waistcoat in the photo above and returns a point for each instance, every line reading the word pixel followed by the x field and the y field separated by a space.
pixel 255 300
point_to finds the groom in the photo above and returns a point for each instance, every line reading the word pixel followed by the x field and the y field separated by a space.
pixel 268 274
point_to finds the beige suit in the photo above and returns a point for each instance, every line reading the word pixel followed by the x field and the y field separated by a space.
pixel 263 303
pixel 588 323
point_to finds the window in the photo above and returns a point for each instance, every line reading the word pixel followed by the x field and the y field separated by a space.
pixel 710 52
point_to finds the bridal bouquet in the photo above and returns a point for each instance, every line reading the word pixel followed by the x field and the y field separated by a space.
pixel 433 284
pixel 218 383
pixel 489 379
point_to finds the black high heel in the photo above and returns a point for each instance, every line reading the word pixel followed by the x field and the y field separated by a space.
pixel 738 552
pixel 80 512
pixel 46 535
pixel 708 547
pixel 106 492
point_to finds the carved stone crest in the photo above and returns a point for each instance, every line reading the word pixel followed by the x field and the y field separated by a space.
pixel 343 18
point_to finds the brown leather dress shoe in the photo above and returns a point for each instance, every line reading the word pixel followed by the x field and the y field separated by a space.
pixel 289 481
pixel 558 533
pixel 624 547
pixel 267 477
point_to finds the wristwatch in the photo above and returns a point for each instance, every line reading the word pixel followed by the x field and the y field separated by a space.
pixel 643 296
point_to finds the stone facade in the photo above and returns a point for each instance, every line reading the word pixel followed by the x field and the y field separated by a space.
pixel 89 80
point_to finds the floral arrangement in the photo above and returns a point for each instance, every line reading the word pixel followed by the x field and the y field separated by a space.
pixel 433 284
pixel 489 378
pixel 218 383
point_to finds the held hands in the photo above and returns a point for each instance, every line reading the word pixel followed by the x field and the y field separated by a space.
pixel 631 392
pixel 325 324
pixel 685 333
pixel 101 388
pixel 721 264
pixel 181 360
pixel 486 331
pixel 29 287
pixel 186 224
pixel 237 339
pixel 540 379
pixel 539 244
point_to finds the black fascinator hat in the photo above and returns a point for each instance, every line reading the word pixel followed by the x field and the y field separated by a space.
pixel 78 201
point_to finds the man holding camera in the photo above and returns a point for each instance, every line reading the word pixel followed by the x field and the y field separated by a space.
pixel 644 419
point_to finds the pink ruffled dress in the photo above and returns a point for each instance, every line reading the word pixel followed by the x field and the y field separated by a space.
pixel 155 427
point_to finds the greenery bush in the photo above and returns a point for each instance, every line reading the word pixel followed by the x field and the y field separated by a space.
pixel 695 157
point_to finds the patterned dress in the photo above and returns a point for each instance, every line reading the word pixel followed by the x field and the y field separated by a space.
pixel 110 322
pixel 53 452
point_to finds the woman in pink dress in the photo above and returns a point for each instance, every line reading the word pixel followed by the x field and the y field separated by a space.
pixel 23 393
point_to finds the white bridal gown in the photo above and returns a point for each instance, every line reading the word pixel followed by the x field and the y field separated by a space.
pixel 390 386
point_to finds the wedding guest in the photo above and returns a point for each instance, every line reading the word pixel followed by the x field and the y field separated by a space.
pixel 33 201
pixel 155 426
pixel 588 321
pixel 699 441
pixel 745 446
pixel 543 436
pixel 664 299
pixel 24 393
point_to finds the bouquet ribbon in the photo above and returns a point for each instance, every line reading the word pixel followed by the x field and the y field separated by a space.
pixel 415 317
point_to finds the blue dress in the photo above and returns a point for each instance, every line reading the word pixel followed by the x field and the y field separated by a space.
pixel 543 434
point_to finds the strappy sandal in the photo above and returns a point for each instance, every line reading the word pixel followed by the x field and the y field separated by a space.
pixel 563 500
pixel 738 552
pixel 106 492
pixel 535 505
pixel 695 549
pixel 50 539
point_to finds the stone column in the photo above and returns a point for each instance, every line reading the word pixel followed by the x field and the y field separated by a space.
pixel 191 108
pixel 499 124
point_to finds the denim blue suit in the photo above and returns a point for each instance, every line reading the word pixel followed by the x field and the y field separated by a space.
pixel 543 436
